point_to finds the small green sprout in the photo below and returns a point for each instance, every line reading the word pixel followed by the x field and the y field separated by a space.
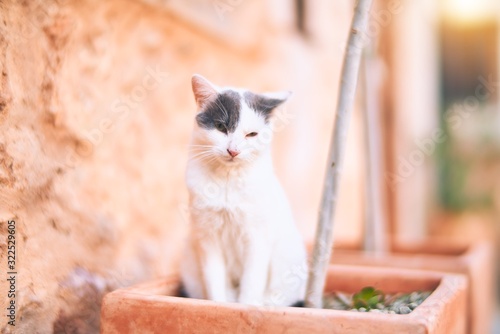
pixel 368 298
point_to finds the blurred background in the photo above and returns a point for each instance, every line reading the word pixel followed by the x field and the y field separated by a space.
pixel 96 111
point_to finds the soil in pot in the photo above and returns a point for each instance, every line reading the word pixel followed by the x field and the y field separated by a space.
pixel 372 300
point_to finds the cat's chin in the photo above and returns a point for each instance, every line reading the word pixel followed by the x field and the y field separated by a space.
pixel 232 162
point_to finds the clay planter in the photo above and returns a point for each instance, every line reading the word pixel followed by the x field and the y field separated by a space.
pixel 474 259
pixel 152 308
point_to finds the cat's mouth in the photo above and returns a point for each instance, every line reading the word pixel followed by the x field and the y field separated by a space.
pixel 231 160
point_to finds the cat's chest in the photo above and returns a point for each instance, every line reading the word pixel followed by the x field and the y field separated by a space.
pixel 234 194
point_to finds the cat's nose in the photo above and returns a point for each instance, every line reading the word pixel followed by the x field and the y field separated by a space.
pixel 232 153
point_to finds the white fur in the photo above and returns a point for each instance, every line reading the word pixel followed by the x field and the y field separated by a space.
pixel 243 245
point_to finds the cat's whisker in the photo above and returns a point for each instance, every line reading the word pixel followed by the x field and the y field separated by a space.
pixel 200 155
pixel 205 158
pixel 202 147
pixel 192 149
pixel 222 108
pixel 211 160
pixel 202 152
pixel 199 150
pixel 196 145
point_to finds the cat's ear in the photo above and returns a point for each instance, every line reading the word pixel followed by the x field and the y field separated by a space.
pixel 204 91
pixel 265 103
pixel 277 97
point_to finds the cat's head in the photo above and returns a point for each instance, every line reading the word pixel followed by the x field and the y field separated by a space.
pixel 232 125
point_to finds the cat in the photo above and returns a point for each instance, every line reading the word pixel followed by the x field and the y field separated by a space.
pixel 243 245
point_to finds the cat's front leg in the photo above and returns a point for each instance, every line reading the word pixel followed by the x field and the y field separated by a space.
pixel 255 274
pixel 214 274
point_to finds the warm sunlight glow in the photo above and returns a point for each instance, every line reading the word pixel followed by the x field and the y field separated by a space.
pixel 470 11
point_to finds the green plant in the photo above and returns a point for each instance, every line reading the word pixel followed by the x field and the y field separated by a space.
pixel 368 298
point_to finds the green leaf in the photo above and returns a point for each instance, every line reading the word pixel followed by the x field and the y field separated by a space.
pixel 368 298
pixel 373 301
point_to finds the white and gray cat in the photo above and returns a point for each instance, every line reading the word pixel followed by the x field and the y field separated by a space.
pixel 243 245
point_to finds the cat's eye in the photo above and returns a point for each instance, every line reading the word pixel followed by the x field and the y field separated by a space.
pixel 221 127
pixel 251 134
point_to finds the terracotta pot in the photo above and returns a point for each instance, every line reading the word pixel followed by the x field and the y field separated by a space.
pixel 474 259
pixel 153 308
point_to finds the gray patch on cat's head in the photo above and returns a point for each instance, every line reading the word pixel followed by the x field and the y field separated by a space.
pixel 262 104
pixel 222 114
